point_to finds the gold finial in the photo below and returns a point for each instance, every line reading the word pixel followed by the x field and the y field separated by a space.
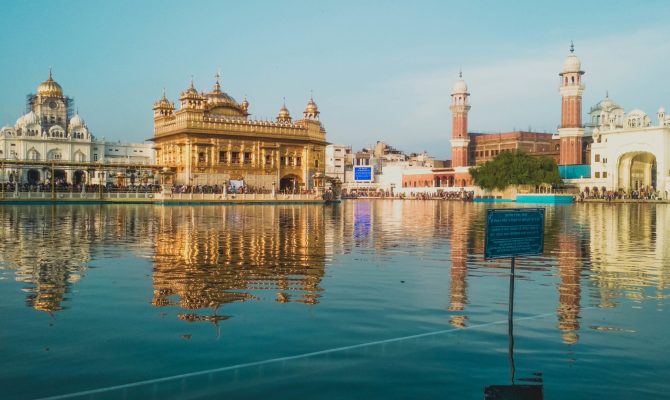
pixel 460 74
pixel 192 87
pixel 572 47
pixel 217 84
pixel 284 105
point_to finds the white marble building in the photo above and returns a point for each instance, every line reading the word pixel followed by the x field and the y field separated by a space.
pixel 630 151
pixel 51 131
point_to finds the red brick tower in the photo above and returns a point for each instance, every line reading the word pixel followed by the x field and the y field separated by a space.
pixel 571 132
pixel 459 125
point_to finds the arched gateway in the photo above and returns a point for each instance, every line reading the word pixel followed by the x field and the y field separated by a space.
pixel 290 182
pixel 637 170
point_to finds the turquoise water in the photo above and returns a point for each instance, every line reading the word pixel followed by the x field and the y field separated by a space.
pixel 370 298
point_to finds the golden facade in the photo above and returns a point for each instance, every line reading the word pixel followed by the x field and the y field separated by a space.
pixel 211 140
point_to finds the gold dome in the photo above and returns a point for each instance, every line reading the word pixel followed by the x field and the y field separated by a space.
pixel 284 115
pixel 50 88
pixel 311 107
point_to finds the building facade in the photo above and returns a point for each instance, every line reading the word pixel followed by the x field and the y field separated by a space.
pixel 50 130
pixel 339 159
pixel 210 140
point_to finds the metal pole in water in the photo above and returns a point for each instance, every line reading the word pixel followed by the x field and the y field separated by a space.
pixel 510 322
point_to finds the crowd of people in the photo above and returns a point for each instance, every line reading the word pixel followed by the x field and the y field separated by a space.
pixel 610 195
pixel 446 195
pixel 62 186
pixel 231 189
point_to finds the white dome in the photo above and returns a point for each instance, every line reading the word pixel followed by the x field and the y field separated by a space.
pixel 76 121
pixel 572 64
pixel 31 118
pixel 19 122
pixel 661 110
pixel 460 86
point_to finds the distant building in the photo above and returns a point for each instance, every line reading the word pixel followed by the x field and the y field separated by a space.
pixel 485 147
pixel 338 160
pixel 210 140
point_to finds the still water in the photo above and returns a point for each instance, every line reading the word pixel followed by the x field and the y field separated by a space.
pixel 379 299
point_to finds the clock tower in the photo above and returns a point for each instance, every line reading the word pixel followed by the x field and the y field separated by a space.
pixel 50 105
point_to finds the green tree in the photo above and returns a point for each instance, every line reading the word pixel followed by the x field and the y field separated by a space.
pixel 515 168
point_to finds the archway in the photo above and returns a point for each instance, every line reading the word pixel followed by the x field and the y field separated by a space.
pixel 60 177
pixel 637 171
pixel 79 177
pixel 33 176
pixel 289 182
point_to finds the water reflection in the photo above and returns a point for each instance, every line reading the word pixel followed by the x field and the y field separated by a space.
pixel 210 256
pixel 206 257
pixel 50 247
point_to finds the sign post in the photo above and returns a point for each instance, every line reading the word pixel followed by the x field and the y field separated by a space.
pixel 513 232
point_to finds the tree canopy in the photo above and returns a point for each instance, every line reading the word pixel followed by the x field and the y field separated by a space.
pixel 515 168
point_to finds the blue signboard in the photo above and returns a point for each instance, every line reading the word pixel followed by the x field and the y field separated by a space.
pixel 512 232
pixel 363 173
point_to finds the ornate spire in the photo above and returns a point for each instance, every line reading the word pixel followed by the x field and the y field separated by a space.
pixel 217 85
pixel 50 78
pixel 572 47
pixel 460 73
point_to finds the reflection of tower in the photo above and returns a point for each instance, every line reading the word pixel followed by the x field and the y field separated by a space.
pixel 571 132
pixel 460 224
pixel 569 289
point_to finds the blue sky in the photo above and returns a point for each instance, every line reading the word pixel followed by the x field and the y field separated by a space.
pixel 380 70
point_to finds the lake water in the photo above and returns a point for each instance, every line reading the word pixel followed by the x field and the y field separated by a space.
pixel 379 299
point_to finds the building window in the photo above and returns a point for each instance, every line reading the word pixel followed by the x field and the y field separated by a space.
pixel 268 159
pixel 597 174
pixel 95 157
pixel 298 161
pixel 604 174
pixel 235 157
pixel 290 161
pixel 202 157
pixel 222 156
pixel 283 160
pixel 316 163
pixel 247 157
pixel 597 158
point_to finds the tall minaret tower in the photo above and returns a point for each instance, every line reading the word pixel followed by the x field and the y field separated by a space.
pixel 459 124
pixel 571 132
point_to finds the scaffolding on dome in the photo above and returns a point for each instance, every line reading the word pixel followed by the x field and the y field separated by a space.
pixel 31 99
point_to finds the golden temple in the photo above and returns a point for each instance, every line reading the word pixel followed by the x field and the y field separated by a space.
pixel 210 140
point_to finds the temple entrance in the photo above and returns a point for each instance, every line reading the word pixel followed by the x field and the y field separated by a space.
pixel 637 171
pixel 60 177
pixel 289 182
pixel 79 177
pixel 33 177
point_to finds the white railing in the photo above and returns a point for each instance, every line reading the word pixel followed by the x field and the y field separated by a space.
pixel 158 197
pixel 236 197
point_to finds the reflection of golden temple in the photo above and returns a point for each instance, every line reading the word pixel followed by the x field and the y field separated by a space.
pixel 248 250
